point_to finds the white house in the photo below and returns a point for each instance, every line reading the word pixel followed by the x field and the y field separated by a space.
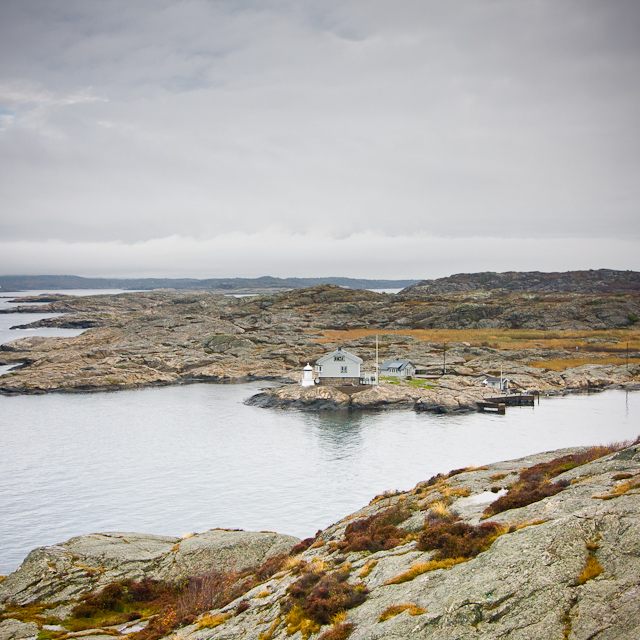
pixel 501 383
pixel 338 368
pixel 397 368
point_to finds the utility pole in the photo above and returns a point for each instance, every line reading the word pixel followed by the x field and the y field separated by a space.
pixel 627 356
pixel 444 358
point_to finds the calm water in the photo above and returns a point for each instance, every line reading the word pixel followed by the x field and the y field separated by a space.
pixel 189 458
pixel 9 320
pixel 178 459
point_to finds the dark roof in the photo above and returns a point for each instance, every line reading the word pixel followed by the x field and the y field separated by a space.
pixel 395 364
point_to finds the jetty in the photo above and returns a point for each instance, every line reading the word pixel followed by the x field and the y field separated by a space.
pixel 498 404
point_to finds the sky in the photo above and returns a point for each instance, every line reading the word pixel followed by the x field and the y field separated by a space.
pixel 377 138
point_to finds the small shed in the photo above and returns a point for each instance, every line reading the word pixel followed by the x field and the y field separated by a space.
pixel 338 368
pixel 397 368
pixel 501 383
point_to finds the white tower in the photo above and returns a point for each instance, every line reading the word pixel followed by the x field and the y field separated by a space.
pixel 307 376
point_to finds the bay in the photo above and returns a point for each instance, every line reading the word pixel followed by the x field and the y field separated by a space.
pixel 189 458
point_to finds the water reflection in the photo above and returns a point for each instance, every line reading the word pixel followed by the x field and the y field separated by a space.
pixel 339 433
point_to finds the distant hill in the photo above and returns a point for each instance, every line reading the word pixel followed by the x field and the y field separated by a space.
pixel 592 281
pixel 226 285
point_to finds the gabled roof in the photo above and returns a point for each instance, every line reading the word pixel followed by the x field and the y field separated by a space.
pixel 494 379
pixel 342 352
pixel 395 364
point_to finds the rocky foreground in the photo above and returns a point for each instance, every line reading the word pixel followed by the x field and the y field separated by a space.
pixel 544 547
pixel 151 338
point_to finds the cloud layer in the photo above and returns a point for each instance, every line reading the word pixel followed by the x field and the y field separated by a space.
pixel 130 132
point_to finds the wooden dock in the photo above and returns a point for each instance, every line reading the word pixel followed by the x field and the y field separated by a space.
pixel 498 404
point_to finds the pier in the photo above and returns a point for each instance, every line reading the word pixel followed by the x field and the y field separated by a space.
pixel 498 404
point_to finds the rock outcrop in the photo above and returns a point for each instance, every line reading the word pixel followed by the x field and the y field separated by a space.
pixel 65 571
pixel 430 564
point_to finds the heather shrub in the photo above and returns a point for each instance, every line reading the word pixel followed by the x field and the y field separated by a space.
pixel 378 532
pixel 318 597
pixel 458 539
pixel 534 483
pixel 339 632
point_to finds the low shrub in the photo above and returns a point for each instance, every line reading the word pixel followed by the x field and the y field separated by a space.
pixel 534 483
pixel 377 532
pixel 339 632
pixel 121 602
pixel 458 539
pixel 317 597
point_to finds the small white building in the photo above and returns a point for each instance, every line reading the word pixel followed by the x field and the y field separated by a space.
pixel 397 368
pixel 307 376
pixel 501 383
pixel 338 368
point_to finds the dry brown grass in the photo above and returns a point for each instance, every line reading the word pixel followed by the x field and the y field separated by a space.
pixel 422 567
pixel 620 489
pixel 562 364
pixel 368 568
pixel 212 621
pixel 612 339
pixel 593 568
pixel 397 609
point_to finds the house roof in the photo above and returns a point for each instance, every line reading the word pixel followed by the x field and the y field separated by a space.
pixel 494 379
pixel 342 352
pixel 395 364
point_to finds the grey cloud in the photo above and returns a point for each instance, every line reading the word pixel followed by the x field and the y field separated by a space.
pixel 146 120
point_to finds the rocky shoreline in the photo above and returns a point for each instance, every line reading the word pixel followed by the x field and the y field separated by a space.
pixel 546 546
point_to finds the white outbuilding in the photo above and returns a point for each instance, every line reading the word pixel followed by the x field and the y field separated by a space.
pixel 307 376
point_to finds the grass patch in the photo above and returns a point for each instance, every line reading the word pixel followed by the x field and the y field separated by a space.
pixel 620 489
pixel 593 568
pixel 423 567
pixel 368 568
pixel 534 483
pixel 121 602
pixel 562 364
pixel 608 340
pixel 397 609
pixel 212 621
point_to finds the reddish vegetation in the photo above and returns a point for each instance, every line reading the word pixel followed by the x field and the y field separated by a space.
pixel 376 532
pixel 339 632
pixel 535 483
pixel 321 596
pixel 458 539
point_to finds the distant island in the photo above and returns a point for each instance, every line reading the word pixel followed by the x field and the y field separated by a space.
pixel 265 284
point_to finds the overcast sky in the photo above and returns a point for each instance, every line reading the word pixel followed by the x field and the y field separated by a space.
pixel 368 138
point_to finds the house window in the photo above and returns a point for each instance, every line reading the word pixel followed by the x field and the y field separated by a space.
pixel 338 358
pixel 318 368
pixel 343 369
